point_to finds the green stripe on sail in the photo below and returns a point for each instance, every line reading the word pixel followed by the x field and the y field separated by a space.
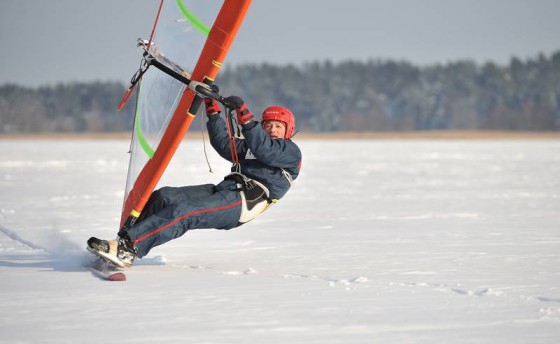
pixel 138 129
pixel 191 18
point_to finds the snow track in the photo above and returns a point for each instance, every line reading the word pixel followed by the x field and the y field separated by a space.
pixel 379 242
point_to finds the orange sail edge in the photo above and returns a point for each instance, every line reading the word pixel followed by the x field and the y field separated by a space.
pixel 219 40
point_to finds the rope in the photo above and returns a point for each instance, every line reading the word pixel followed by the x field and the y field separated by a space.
pixel 231 138
pixel 232 145
pixel 204 145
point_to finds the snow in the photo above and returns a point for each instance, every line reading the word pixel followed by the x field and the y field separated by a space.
pixel 442 241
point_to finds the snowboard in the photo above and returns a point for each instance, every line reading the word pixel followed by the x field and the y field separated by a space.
pixel 105 269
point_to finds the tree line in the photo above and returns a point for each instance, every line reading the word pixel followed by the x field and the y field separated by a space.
pixel 375 95
pixel 72 107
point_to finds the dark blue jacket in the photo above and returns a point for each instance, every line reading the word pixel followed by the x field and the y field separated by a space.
pixel 261 158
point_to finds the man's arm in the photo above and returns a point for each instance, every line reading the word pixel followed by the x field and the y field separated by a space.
pixel 274 152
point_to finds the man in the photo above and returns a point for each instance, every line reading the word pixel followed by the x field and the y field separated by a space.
pixel 265 162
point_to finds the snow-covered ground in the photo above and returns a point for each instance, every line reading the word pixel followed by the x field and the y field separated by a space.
pixel 379 242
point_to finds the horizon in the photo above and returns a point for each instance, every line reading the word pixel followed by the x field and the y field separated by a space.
pixel 303 64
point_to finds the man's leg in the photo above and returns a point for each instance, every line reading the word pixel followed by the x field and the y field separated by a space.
pixel 194 207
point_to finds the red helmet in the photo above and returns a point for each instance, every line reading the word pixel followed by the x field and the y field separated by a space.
pixel 282 114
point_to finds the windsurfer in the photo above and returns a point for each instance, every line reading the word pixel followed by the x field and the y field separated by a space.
pixel 265 162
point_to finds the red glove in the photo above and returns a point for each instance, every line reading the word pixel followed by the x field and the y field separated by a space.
pixel 244 116
pixel 212 107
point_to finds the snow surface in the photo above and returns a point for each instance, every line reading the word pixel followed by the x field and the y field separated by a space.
pixel 379 242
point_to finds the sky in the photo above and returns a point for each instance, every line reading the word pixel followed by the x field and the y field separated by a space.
pixel 52 41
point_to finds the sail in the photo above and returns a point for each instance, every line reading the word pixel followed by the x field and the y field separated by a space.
pixel 189 41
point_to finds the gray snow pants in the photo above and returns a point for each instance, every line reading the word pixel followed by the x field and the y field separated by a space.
pixel 172 211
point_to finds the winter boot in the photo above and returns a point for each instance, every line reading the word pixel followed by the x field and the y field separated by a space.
pixel 119 252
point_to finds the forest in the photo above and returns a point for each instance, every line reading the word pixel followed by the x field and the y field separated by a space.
pixel 374 95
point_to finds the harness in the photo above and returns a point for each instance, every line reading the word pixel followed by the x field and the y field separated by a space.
pixel 255 196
